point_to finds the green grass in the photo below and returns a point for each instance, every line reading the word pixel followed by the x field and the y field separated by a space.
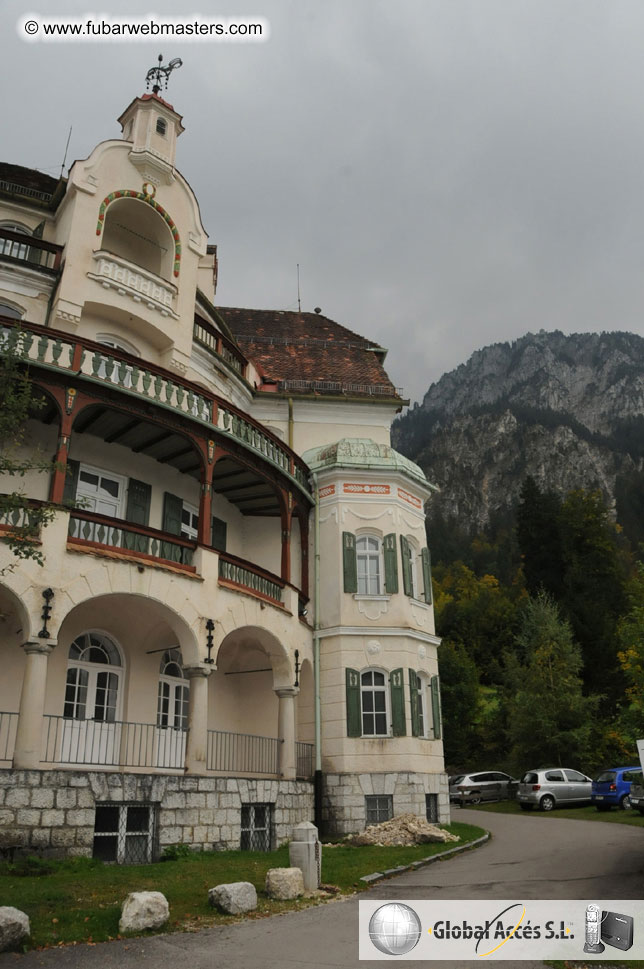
pixel 587 812
pixel 79 900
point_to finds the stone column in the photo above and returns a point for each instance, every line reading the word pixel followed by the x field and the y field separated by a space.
pixel 28 748
pixel 197 742
pixel 286 731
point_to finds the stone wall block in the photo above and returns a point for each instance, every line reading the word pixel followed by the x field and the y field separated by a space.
pixel 19 797
pixel 53 819
pixel 28 817
pixel 42 797
pixel 67 798
pixel 81 818
pixel 98 784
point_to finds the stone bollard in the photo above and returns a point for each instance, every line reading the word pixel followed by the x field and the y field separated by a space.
pixel 305 853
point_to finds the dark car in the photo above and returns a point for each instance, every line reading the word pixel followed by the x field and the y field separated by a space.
pixel 612 788
pixel 491 785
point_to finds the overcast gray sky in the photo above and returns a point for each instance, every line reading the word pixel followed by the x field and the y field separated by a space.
pixel 447 173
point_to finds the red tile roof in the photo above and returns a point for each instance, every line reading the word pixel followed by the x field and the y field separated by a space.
pixel 307 353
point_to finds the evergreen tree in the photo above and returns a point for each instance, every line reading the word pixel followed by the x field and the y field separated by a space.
pixel 460 695
pixel 593 591
pixel 539 537
pixel 549 719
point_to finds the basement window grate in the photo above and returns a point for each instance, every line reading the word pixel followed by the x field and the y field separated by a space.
pixel 124 833
pixel 256 823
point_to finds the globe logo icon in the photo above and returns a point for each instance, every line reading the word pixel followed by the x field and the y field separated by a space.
pixel 394 929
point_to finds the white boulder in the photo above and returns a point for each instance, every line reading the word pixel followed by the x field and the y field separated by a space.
pixel 14 927
pixel 234 897
pixel 284 883
pixel 144 910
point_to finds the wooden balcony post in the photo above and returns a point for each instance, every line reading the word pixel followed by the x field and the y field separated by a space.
pixel 211 455
pixel 27 750
pixel 286 515
pixel 59 476
pixel 303 519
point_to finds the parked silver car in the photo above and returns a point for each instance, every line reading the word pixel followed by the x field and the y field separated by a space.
pixel 491 785
pixel 552 787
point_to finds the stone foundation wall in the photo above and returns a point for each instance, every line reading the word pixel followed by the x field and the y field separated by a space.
pixel 343 799
pixel 52 812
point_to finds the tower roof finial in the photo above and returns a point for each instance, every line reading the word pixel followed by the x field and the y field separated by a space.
pixel 157 75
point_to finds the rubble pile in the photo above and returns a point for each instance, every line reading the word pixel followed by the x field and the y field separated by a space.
pixel 406 829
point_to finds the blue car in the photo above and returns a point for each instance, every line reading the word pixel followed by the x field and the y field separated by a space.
pixel 612 787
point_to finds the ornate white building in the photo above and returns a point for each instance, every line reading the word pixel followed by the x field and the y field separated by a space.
pixel 233 628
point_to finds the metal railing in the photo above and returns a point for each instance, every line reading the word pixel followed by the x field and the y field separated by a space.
pixel 242 753
pixel 28 249
pixel 304 759
pixel 8 727
pixel 112 744
pixel 58 351
pixel 250 577
pixel 90 528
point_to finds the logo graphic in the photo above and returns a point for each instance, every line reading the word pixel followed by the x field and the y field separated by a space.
pixel 394 929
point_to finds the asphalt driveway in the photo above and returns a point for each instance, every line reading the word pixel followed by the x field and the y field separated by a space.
pixel 529 856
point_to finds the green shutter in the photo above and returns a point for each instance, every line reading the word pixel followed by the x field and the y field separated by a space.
pixel 172 511
pixel 413 695
pixel 397 703
pixel 349 563
pixel 139 495
pixel 71 481
pixel 218 539
pixel 427 575
pixel 391 564
pixel 406 565
pixel 436 707
pixel 354 711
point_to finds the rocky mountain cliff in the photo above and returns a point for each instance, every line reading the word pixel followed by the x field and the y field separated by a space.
pixel 567 410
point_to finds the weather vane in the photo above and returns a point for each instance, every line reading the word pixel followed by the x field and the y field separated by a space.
pixel 160 74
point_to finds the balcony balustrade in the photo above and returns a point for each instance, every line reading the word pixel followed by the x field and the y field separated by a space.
pixel 35 253
pixel 250 577
pixel 142 286
pixel 57 351
pixel 304 754
pixel 207 336
pixel 91 529
pixel 241 753
pixel 8 727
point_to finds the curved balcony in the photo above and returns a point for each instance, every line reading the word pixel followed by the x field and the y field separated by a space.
pixel 114 272
pixel 87 361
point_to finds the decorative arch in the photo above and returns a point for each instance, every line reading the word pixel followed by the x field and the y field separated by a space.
pixel 148 198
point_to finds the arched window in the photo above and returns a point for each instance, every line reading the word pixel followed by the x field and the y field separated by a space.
pixel 8 309
pixel 369 565
pixel 9 247
pixel 173 693
pixel 373 699
pixel 94 671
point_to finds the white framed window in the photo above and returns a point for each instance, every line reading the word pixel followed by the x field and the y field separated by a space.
pixel 374 703
pixel 369 565
pixel 101 491
pixel 12 310
pixel 189 522
pixel 9 247
pixel 421 692
pixel 173 693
